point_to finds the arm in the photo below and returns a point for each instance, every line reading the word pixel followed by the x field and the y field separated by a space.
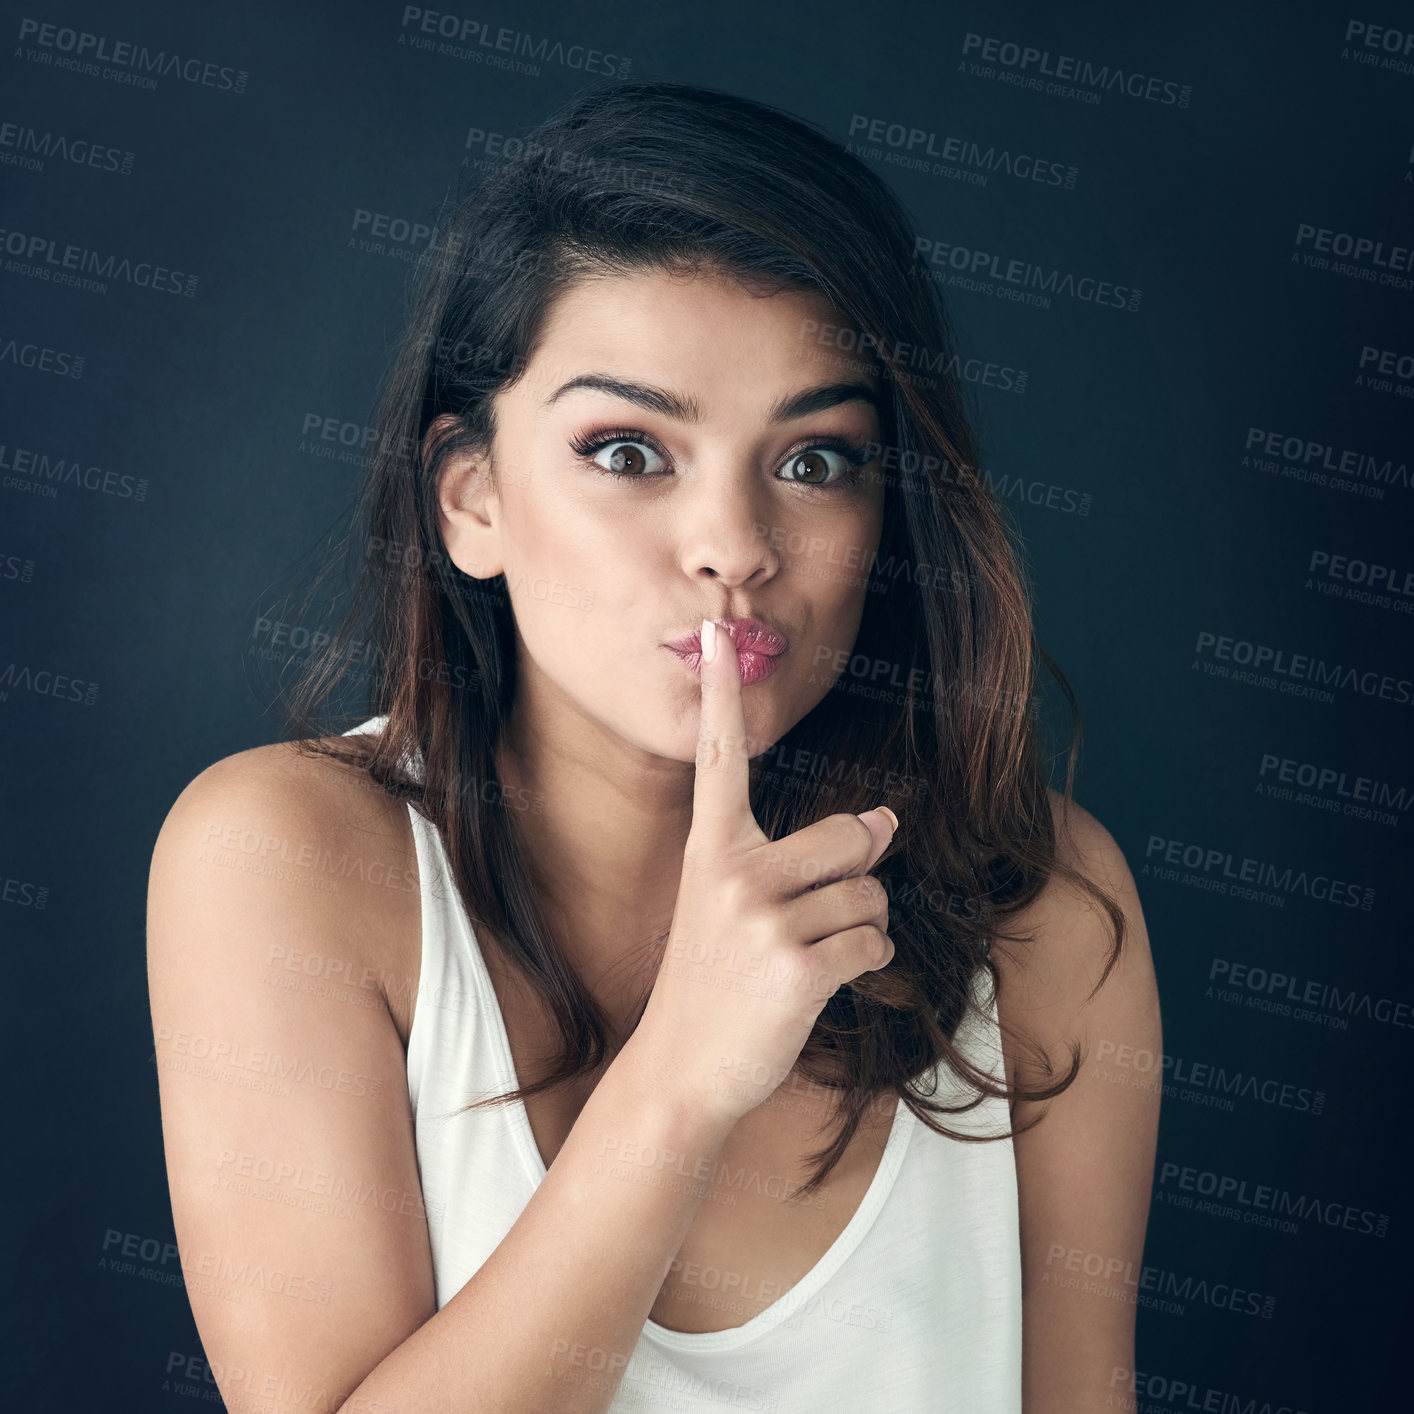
pixel 1085 1172
pixel 305 1309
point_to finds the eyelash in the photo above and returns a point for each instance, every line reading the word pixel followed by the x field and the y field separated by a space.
pixel 586 445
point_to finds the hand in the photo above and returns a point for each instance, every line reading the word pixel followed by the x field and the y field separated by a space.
pixel 763 932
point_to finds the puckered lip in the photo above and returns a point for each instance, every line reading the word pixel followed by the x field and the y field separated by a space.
pixel 747 635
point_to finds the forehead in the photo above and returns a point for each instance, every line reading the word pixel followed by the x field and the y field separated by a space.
pixel 702 333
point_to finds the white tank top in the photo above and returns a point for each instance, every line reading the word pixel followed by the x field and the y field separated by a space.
pixel 915 1309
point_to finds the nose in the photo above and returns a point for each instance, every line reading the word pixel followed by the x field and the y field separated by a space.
pixel 723 537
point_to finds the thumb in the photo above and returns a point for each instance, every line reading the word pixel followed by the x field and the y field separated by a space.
pixel 882 823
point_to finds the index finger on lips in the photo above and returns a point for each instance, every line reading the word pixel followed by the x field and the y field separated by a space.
pixel 721 799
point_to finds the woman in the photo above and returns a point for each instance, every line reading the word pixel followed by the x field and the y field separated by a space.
pixel 678 598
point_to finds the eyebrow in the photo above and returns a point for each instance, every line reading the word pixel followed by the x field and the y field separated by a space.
pixel 670 404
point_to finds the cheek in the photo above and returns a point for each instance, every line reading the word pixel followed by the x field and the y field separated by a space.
pixel 832 569
pixel 549 568
pixel 576 571
pixel 550 532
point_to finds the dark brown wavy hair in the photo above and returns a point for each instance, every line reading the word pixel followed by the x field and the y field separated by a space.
pixel 668 176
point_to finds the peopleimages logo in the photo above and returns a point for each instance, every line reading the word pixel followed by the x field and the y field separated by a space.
pixel 1360 257
pixel 1332 788
pixel 1301 674
pixel 1302 998
pixel 1379 46
pixel 52 472
pixel 44 258
pixel 1114 1277
pixel 1263 1204
pixel 1035 65
pixel 1185 1394
pixel 1017 279
pixel 87 52
pixel 1170 1072
pixel 1221 867
pixel 1321 459
pixel 39 356
pixel 27 147
pixel 910 146
pixel 460 37
pixel 1387 370
pixel 45 682
pixel 1395 581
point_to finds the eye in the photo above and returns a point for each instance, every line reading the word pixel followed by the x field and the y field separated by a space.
pixel 826 463
pixel 627 458
pixel 625 447
pixel 816 469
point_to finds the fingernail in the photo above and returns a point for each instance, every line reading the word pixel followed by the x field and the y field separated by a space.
pixel 884 810
pixel 709 640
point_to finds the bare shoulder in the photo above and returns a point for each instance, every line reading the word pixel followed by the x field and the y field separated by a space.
pixel 302 834
pixel 284 780
pixel 1051 979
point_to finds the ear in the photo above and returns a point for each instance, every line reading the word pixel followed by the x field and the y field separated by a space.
pixel 468 507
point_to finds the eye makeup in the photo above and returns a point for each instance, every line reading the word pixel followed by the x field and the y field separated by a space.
pixel 856 455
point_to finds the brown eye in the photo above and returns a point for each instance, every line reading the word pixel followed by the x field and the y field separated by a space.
pixel 817 468
pixel 627 458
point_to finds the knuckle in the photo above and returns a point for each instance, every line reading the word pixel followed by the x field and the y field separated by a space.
pixel 767 933
pixel 731 891
pixel 872 893
pixel 885 953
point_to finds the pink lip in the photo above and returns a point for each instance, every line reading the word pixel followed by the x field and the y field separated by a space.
pixel 757 648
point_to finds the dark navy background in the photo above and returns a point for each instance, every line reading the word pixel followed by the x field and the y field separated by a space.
pixel 138 600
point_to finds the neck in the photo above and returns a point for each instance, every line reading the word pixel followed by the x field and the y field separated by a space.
pixel 603 827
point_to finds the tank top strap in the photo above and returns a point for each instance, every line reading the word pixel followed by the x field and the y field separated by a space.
pixel 432 976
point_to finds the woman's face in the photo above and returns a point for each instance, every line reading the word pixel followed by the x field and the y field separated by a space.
pixel 715 511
